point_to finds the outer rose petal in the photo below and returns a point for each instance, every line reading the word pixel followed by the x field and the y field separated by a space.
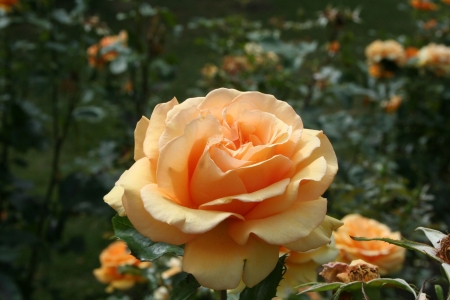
pixel 132 182
pixel 139 136
pixel 219 263
pixel 290 225
pixel 318 237
pixel 188 220
pixel 114 199
pixel 219 98
pixel 156 127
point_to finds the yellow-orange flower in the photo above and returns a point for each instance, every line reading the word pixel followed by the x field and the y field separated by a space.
pixel 111 259
pixel 392 104
pixel 209 71
pixel 233 176
pixel 411 52
pixel 377 71
pixel 430 24
pixel 302 267
pixel 389 258
pixel 235 64
pixel 7 5
pixel 99 54
pixel 388 50
pixel 423 5
pixel 436 58
pixel 333 47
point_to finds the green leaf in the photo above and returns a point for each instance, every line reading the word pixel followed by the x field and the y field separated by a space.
pixel 404 243
pixel 185 288
pixel 266 289
pixel 141 247
pixel 320 287
pixel 446 268
pixel 8 288
pixel 433 235
pixel 439 292
pixel 391 282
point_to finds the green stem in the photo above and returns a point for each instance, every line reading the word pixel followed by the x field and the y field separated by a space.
pixel 223 295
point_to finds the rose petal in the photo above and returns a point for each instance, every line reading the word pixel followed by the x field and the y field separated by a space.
pixel 114 199
pixel 155 128
pixel 315 171
pixel 179 158
pixel 217 262
pixel 219 98
pixel 186 104
pixel 132 182
pixel 318 237
pixel 139 136
pixel 286 227
pixel 188 220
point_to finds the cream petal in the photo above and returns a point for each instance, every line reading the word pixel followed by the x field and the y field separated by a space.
pixel 179 158
pixel 139 137
pixel 188 220
pixel 217 262
pixel 155 128
pixel 261 258
pixel 260 175
pixel 209 182
pixel 315 171
pixel 286 227
pixel 114 199
pixel 132 182
pixel 219 98
pixel 272 190
pixel 318 237
pixel 313 189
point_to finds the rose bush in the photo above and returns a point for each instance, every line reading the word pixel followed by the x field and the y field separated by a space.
pixel 389 258
pixel 233 176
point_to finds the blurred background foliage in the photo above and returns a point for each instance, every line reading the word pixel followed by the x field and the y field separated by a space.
pixel 76 75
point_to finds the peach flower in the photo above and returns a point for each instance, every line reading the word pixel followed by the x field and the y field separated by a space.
pixel 385 50
pixel 99 54
pixel 435 57
pixel 113 257
pixel 302 267
pixel 233 176
pixel 389 258
pixel 235 64
pixel 411 52
pixel 7 5
pixel 392 104
pixel 423 5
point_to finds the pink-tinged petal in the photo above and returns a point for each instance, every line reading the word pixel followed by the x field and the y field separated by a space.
pixel 188 220
pixel 132 182
pixel 139 136
pixel 114 199
pixel 272 190
pixel 315 171
pixel 209 182
pixel 215 260
pixel 261 259
pixel 155 128
pixel 318 237
pixel 260 175
pixel 179 158
pixel 175 127
pixel 314 189
pixel 286 227
pixel 186 104
pixel 219 98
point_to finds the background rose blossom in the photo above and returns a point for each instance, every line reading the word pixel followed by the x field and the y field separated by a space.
pixel 233 176
pixel 389 258
pixel 98 54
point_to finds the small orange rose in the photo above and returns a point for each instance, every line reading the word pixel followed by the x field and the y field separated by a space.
pixel 430 24
pixel 389 258
pixel 377 71
pixel 424 5
pixel 333 47
pixel 389 50
pixel 392 104
pixel 113 257
pixel 7 5
pixel 411 52
pixel 235 64
pixel 233 176
pixel 98 54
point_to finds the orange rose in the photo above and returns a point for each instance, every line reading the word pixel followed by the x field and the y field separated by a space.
pixel 389 258
pixel 113 257
pixel 233 176
pixel 435 58
pixel 385 50
pixel 302 267
pixel 411 52
pixel 423 5
pixel 99 54
pixel 7 4
pixel 392 104
pixel 333 47
pixel 377 71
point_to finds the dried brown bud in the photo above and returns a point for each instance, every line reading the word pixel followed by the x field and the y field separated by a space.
pixel 358 270
pixel 444 251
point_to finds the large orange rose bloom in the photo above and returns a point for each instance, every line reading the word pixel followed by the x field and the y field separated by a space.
pixel 99 54
pixel 233 176
pixel 113 257
pixel 389 258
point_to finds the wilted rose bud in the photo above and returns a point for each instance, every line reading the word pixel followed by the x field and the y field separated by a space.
pixel 358 270
pixel 444 251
